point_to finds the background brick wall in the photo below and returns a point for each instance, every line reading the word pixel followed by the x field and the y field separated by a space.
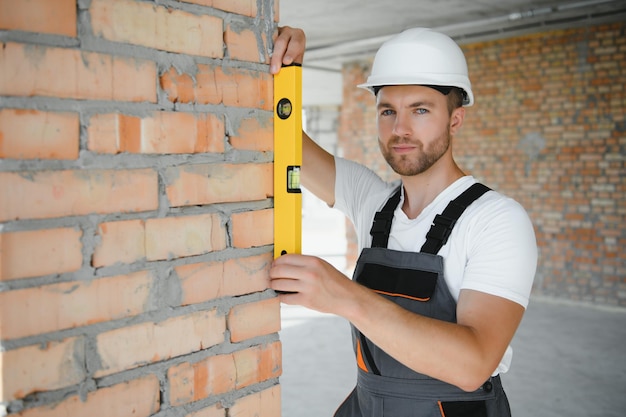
pixel 548 129
pixel 133 250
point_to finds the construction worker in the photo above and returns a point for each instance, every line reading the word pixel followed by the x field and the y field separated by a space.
pixel 446 264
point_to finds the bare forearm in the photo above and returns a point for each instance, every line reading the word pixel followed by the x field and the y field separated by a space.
pixel 318 170
pixel 464 354
pixel 452 352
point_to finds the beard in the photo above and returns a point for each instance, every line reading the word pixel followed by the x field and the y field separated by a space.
pixel 409 165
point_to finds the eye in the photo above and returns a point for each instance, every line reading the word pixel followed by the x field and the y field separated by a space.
pixel 420 111
pixel 387 112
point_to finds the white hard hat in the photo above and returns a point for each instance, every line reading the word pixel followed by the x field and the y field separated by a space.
pixel 420 56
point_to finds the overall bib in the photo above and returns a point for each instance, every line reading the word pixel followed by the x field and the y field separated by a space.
pixel 413 280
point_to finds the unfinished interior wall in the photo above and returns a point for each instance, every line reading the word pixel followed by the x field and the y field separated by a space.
pixel 135 209
pixel 548 129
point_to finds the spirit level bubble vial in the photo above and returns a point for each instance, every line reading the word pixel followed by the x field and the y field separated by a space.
pixel 287 160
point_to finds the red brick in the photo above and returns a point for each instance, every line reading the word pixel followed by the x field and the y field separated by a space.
pixel 43 16
pixel 39 252
pixel 261 404
pixel 123 241
pixel 175 237
pixel 254 134
pixel 244 88
pixel 207 281
pixel 244 7
pixel 215 85
pixel 190 185
pixel 33 134
pixel 51 366
pixel 141 344
pixel 247 275
pixel 270 364
pixel 34 70
pixel 47 194
pixel 532 86
pixel 259 318
pixel 137 398
pixel 210 133
pixel 200 282
pixel 162 132
pixel 203 90
pixel 182 383
pixel 37 310
pixel 216 410
pixel 180 87
pixel 160 28
pixel 257 364
pixel 253 228
pixel 192 382
pixel 242 44
pixel 491 91
pixel 223 373
pixel 103 133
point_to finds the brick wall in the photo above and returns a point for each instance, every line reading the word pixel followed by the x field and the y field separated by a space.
pixel 133 250
pixel 548 129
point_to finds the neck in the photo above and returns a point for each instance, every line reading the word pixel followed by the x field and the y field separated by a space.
pixel 420 190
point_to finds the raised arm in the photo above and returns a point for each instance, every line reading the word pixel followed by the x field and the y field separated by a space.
pixel 318 170
pixel 318 166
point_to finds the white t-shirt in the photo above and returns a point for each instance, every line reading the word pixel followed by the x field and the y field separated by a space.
pixel 492 247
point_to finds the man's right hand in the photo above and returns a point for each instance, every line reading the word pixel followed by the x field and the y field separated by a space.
pixel 289 46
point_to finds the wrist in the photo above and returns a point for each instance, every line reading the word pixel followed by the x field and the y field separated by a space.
pixel 357 303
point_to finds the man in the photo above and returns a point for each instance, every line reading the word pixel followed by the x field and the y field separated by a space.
pixel 446 266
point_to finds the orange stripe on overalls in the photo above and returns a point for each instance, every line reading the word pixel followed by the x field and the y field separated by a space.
pixel 441 409
pixel 359 357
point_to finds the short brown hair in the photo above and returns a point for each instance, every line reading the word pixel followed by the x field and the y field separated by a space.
pixel 454 95
pixel 455 99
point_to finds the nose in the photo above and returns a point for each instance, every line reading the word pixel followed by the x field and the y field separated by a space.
pixel 402 125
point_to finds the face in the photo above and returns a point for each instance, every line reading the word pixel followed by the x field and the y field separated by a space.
pixel 414 127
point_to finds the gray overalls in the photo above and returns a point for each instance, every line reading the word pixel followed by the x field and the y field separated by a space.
pixel 413 280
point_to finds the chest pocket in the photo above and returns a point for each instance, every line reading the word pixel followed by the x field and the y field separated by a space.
pixel 412 284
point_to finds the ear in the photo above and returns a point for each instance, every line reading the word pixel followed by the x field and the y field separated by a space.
pixel 456 120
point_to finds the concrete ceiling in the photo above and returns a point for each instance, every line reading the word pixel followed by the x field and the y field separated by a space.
pixel 342 30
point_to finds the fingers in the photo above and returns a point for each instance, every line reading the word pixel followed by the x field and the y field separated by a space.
pixel 308 281
pixel 288 272
pixel 292 298
pixel 284 285
pixel 288 48
pixel 294 259
pixel 289 290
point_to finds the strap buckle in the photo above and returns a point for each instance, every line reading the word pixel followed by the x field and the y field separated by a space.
pixel 382 222
pixel 441 228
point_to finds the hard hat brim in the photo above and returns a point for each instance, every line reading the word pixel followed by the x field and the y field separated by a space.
pixel 373 82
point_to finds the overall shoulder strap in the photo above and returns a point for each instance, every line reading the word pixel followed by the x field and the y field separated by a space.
pixel 443 223
pixel 382 221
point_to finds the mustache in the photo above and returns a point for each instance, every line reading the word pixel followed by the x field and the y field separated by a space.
pixel 397 140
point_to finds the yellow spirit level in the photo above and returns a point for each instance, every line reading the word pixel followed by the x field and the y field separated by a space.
pixel 287 160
